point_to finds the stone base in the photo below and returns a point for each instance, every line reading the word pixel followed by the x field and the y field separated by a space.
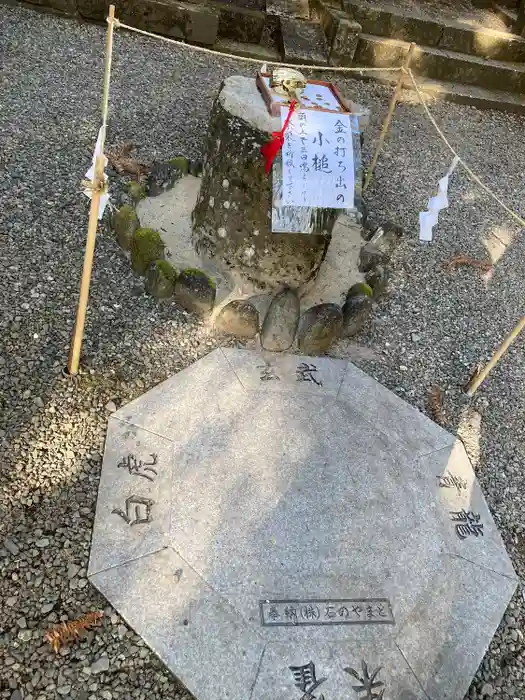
pixel 275 528
pixel 171 213
pixel 338 303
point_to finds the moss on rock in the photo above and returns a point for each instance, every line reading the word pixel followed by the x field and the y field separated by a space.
pixel 167 269
pixel 195 291
pixel 146 247
pixel 195 272
pixel 160 279
pixel 181 163
pixel 360 288
pixel 136 190
pixel 124 224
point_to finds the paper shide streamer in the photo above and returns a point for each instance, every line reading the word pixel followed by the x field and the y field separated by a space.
pixel 104 197
pixel 428 219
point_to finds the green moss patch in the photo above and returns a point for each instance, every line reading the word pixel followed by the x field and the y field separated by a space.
pixel 180 163
pixel 360 288
pixel 146 247
pixel 195 272
pixel 160 279
pixel 167 269
pixel 136 190
pixel 125 223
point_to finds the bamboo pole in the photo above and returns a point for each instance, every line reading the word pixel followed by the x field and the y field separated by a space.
pixel 479 377
pixel 107 72
pixel 78 333
pixel 97 188
pixel 389 115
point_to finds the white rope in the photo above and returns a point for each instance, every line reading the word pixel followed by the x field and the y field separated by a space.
pixel 336 69
pixel 258 61
pixel 473 175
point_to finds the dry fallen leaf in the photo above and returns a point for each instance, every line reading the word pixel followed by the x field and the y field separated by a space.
pixel 435 405
pixel 466 260
pixel 121 161
pixel 70 630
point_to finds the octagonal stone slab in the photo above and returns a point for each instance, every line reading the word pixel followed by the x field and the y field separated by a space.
pixel 283 528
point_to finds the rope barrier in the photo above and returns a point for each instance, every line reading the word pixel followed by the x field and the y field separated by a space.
pixel 336 69
pixel 258 61
pixel 472 175
pixel 97 185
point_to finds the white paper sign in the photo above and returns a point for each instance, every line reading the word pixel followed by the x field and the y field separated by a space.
pixel 318 160
pixel 104 197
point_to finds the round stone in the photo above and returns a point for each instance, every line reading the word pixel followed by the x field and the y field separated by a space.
pixel 238 318
pixel 356 311
pixel 377 279
pixel 318 328
pixel 124 223
pixel 280 323
pixel 487 690
pixel 195 291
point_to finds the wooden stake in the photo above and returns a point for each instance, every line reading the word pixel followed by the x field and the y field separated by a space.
pixel 78 333
pixel 478 378
pixel 107 71
pixel 97 185
pixel 389 115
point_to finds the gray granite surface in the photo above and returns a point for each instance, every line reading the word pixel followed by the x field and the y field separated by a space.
pixel 283 527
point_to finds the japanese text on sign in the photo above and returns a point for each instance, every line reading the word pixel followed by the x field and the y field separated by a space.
pixel 275 613
pixel 318 160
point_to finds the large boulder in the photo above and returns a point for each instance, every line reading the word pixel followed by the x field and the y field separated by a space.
pixel 233 214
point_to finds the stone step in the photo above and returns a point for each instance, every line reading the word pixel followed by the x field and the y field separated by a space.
pixel 264 53
pixel 288 8
pixel 440 64
pixel 303 42
pixel 388 21
pixel 237 23
pixel 506 14
pixel 193 22
pixel 340 31
pixel 452 92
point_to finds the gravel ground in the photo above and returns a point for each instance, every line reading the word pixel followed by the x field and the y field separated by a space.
pixel 432 329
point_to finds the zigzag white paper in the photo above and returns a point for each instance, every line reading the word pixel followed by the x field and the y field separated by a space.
pixel 428 219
